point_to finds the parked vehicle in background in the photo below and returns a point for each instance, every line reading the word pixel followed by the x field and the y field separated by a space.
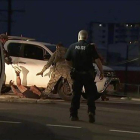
pixel 31 56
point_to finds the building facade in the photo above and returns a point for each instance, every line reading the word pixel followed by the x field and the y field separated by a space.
pixel 121 42
pixel 112 33
pixel 119 39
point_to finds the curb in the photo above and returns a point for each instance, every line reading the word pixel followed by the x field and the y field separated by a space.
pixel 130 99
pixel 135 99
pixel 25 100
pixel 16 99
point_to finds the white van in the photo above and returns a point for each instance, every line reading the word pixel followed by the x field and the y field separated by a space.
pixel 31 56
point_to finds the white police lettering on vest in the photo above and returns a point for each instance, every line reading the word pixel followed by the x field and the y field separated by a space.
pixel 80 47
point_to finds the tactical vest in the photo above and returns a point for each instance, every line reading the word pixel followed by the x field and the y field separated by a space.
pixel 83 59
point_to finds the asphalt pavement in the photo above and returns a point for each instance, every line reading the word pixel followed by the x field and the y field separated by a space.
pixel 31 121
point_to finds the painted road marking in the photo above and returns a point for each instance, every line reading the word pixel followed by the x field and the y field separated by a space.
pixel 122 131
pixel 63 126
pixel 10 122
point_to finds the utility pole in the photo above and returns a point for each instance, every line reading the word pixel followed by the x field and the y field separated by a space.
pixel 126 72
pixel 9 16
pixel 9 12
pixel 90 38
pixel 139 53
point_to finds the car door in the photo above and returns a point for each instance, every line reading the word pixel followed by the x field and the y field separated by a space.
pixel 14 49
pixel 32 62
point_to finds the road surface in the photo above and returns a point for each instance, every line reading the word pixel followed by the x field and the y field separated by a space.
pixel 114 121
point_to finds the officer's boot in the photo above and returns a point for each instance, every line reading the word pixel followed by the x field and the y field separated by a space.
pixel 45 94
pixel 74 118
pixel 74 115
pixel 104 98
pixel 91 117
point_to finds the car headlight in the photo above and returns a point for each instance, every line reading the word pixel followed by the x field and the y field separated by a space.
pixel 109 73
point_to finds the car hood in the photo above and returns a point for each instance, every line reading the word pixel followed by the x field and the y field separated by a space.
pixel 106 68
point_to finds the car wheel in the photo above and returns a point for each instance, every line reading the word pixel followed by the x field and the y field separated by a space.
pixel 64 90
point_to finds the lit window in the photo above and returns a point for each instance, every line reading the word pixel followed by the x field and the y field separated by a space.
pixel 100 25
pixel 136 42
pixel 126 25
pixel 130 42
pixel 130 25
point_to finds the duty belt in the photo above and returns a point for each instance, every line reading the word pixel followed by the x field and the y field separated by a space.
pixel 81 72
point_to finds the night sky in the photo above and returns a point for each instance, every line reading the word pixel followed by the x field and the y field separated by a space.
pixel 55 21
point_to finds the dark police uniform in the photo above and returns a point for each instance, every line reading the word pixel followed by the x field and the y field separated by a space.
pixel 82 54
pixel 2 66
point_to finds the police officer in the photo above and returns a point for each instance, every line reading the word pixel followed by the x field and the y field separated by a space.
pixel 3 39
pixel 5 58
pixel 2 66
pixel 80 56
pixel 60 68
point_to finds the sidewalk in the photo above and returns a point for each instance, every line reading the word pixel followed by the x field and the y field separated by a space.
pixel 10 97
pixel 130 95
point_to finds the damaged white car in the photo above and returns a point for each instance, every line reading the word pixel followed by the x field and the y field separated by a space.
pixel 30 56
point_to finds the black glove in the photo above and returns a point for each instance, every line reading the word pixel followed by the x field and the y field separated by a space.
pixel 8 60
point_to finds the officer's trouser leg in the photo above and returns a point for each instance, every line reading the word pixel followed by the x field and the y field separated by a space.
pixel 70 82
pixel 54 79
pixel 91 90
pixel 75 103
pixel 66 75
